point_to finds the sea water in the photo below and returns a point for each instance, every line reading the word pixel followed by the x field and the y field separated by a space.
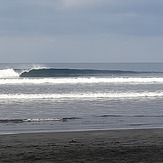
pixel 76 96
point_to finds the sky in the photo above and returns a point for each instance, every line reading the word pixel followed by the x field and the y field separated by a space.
pixel 60 31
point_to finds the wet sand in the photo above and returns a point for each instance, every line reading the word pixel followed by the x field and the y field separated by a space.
pixel 129 146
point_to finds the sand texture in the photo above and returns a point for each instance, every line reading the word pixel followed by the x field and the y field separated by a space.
pixel 128 146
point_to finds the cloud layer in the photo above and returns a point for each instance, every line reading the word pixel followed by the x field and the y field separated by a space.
pixel 70 28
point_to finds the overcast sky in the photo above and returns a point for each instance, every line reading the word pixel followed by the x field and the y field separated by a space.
pixel 81 31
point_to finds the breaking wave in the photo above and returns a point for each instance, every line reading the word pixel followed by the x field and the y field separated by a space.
pixel 52 72
pixel 15 73
pixel 8 73
pixel 70 72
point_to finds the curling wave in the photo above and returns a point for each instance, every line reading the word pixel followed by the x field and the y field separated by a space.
pixel 52 72
pixel 69 72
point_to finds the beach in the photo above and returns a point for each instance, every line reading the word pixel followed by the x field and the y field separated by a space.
pixel 132 145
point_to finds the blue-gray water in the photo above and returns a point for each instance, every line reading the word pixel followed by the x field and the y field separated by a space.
pixel 65 97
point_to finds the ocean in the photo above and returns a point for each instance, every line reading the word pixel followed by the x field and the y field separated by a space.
pixel 80 96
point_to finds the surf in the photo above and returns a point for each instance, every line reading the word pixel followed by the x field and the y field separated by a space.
pixel 84 96
pixel 81 80
pixel 16 73
pixel 8 73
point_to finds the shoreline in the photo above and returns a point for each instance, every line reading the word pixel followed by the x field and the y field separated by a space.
pixel 126 145
pixel 15 132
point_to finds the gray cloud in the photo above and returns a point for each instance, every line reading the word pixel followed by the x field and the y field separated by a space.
pixel 81 30
pixel 81 17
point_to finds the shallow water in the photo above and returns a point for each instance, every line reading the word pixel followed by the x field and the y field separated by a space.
pixel 129 97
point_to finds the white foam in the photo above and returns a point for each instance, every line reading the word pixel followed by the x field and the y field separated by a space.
pixel 92 80
pixel 34 67
pixel 8 73
pixel 82 95
pixel 11 73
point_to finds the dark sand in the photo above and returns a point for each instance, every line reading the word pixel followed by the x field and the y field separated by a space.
pixel 118 146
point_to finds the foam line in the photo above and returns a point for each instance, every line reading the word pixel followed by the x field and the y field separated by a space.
pixel 91 80
pixel 82 95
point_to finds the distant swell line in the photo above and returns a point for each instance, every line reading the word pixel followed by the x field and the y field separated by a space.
pixel 134 116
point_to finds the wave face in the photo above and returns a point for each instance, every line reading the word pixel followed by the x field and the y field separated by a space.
pixel 70 72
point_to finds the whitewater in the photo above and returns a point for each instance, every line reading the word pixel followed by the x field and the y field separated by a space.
pixel 61 97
